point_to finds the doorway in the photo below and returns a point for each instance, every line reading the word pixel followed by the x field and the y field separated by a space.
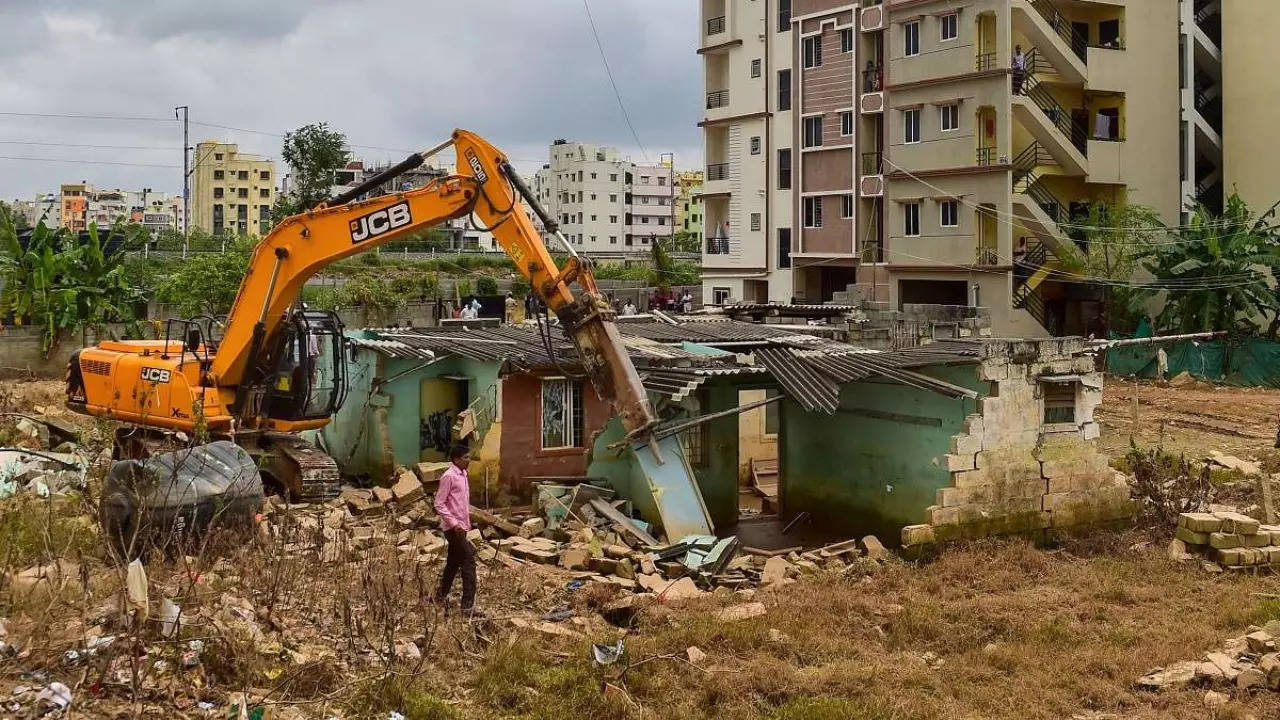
pixel 440 401
pixel 758 453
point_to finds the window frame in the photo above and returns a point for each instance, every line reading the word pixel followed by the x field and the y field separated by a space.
pixel 952 109
pixel 804 127
pixel 755 144
pixel 910 213
pixel 910 32
pixel 754 221
pixel 954 205
pixel 846 120
pixel 756 64
pixel 846 34
pixel 784 168
pixel 907 126
pixel 572 419
pixel 784 89
pixel 954 19
pixel 811 52
pixel 846 206
pixel 811 211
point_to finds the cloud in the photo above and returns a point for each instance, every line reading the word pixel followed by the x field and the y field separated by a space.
pixel 389 73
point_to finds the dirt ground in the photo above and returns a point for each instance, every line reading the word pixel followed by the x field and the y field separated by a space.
pixel 993 629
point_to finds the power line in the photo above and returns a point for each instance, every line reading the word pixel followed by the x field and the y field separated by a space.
pixel 82 145
pixel 608 71
pixel 75 116
pixel 88 162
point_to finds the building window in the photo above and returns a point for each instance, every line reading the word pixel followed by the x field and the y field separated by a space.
pixel 613 197
pixel 949 27
pixel 812 47
pixel 264 174
pixel 593 196
pixel 813 131
pixel 784 247
pixel 784 89
pixel 812 212
pixel 755 68
pixel 719 295
pixel 242 175
pixel 949 117
pixel 613 177
pixel 846 40
pixel 613 218
pixel 217 156
pixel 784 15
pixel 950 211
pixel 218 174
pixel 217 192
pixel 593 176
pixel 755 222
pixel 911 126
pixel 613 239
pixel 911 38
pixel 846 123
pixel 662 181
pixel 264 192
pixel 242 192
pixel 593 238
pixel 911 219
pixel 593 218
pixel 561 413
pixel 644 219
pixel 1059 402
pixel 755 145
pixel 846 206
pixel 784 169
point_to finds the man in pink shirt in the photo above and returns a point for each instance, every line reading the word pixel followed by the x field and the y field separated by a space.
pixel 453 504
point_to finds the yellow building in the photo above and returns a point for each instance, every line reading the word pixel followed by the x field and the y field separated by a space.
pixel 74 201
pixel 1232 39
pixel 232 192
pixel 689 203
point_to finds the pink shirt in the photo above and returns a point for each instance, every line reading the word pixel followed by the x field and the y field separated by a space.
pixel 453 499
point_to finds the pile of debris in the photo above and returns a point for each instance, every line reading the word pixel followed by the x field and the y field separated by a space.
pixel 48 460
pixel 1247 662
pixel 1227 539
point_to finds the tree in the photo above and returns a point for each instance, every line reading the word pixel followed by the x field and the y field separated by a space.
pixel 686 241
pixel 312 153
pixel 1117 238
pixel 1217 273
pixel 207 283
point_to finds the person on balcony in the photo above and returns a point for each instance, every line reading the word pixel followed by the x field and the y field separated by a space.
pixel 871 78
pixel 1020 270
pixel 1019 69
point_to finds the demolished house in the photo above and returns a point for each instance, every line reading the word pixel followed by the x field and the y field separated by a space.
pixel 958 438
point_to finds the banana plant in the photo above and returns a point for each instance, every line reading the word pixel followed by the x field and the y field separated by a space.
pixel 1218 272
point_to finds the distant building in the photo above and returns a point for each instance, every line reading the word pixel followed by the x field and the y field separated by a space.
pixel 232 192
pixel 605 202
pixel 73 202
pixel 46 207
pixel 689 203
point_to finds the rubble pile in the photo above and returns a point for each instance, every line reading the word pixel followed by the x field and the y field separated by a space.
pixel 48 462
pixel 1248 662
pixel 1229 539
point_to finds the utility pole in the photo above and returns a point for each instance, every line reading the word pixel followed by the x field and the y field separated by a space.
pixel 186 177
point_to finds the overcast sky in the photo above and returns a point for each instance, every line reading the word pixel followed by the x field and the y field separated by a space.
pixel 397 74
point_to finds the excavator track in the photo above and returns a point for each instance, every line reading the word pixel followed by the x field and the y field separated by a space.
pixel 309 474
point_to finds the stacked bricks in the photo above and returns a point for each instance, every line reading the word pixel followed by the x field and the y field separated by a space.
pixel 1231 539
pixel 1010 473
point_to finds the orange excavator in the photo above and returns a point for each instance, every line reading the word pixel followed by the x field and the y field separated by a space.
pixel 276 370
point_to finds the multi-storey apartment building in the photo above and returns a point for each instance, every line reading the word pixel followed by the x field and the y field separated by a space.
pixel 46 208
pixel 73 205
pixel 689 203
pixel 931 143
pixel 605 202
pixel 232 192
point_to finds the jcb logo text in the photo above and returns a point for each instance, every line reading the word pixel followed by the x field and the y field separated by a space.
pixel 155 375
pixel 380 223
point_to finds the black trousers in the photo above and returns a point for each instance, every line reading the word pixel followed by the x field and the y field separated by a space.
pixel 461 557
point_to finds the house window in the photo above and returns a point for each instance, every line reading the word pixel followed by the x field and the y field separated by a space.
pixel 784 15
pixel 846 40
pixel 755 221
pixel 949 27
pixel 784 89
pixel 784 169
pixel 217 156
pixel 1059 402
pixel 593 218
pixel 264 192
pixel 242 192
pixel 242 175
pixel 719 295
pixel 755 68
pixel 613 239
pixel 949 117
pixel 950 210
pixel 911 38
pixel 593 176
pixel 613 218
pixel 846 123
pixel 813 131
pixel 911 219
pixel 846 206
pixel 784 247
pixel 217 192
pixel 812 212
pixel 755 145
pixel 812 47
pixel 911 126
pixel 218 174
pixel 561 413
pixel 613 177
pixel 593 196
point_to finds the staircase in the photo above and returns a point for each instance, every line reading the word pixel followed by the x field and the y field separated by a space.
pixel 1048 121
pixel 1042 210
pixel 1047 28
pixel 1026 293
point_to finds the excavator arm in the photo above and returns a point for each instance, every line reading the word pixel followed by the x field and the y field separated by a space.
pixel 485 186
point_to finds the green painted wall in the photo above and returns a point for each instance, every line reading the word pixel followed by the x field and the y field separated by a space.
pixel 877 463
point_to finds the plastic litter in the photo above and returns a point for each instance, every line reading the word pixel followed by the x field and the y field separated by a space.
pixel 56 696
pixel 607 654
pixel 136 584
pixel 170 615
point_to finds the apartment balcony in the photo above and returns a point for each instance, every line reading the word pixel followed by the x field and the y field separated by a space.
pixel 717 30
pixel 715 26
pixel 718 246
pixel 872 99
pixel 871 177
pixel 874 17
pixel 987 156
pixel 717 99
pixel 1053 35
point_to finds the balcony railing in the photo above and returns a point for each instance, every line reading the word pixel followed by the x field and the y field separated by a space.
pixel 986 156
pixel 717 99
pixel 1061 25
pixel 986 61
pixel 872 163
pixel 715 25
pixel 1056 114
pixel 718 246
pixel 718 171
pixel 871 80
pixel 986 256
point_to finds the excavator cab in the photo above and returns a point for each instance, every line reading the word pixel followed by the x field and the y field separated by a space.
pixel 306 371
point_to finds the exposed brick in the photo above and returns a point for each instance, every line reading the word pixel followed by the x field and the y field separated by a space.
pixel 1256 540
pixel 917 535
pixel 1238 523
pixel 1227 556
pixel 1224 541
pixel 966 445
pixel 1200 522
pixel 943 516
pixel 1191 537
pixel 957 463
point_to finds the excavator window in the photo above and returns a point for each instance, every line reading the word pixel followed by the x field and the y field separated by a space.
pixel 309 376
